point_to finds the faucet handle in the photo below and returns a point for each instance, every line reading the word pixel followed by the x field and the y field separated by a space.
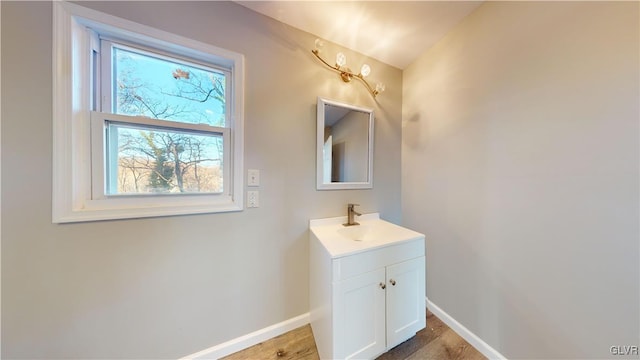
pixel 350 210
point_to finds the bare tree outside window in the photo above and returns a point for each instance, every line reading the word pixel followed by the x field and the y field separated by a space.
pixel 158 160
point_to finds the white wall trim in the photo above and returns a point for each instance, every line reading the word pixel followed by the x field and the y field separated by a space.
pixel 245 341
pixel 465 333
pixel 0 184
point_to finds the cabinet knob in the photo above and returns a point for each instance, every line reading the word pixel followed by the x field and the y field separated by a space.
pixel 393 282
pixel 383 286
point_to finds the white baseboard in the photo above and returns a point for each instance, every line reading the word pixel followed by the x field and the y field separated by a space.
pixel 465 333
pixel 256 337
pixel 245 341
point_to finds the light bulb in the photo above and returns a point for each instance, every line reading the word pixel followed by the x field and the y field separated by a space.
pixel 380 87
pixel 319 44
pixel 365 70
pixel 341 59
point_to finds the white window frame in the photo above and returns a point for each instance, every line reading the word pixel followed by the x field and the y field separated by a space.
pixel 74 151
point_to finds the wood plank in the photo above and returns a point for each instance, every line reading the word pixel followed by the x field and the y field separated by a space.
pixel 449 346
pixel 435 327
pixel 295 344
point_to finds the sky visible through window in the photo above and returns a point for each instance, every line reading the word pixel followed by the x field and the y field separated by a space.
pixel 163 89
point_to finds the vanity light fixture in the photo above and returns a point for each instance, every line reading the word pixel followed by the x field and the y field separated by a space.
pixel 345 73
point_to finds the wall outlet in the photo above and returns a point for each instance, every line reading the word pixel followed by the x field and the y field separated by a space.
pixel 253 177
pixel 253 199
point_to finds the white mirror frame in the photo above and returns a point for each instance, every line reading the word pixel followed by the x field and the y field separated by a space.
pixel 320 184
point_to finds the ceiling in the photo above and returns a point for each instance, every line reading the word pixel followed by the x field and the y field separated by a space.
pixel 394 32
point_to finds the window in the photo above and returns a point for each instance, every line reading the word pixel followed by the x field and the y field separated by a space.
pixel 183 150
pixel 146 123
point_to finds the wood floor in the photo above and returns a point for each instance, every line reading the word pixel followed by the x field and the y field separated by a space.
pixel 437 341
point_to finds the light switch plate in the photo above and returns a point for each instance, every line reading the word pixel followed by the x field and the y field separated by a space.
pixel 253 176
pixel 253 199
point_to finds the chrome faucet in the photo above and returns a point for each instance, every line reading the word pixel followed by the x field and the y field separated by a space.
pixel 350 213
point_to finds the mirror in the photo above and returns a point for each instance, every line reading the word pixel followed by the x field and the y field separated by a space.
pixel 344 156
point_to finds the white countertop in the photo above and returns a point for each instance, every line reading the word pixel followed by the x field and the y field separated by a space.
pixel 380 233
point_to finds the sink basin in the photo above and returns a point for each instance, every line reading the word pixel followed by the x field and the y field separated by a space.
pixel 360 232
pixel 340 240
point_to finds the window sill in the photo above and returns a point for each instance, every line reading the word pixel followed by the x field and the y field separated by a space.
pixel 112 209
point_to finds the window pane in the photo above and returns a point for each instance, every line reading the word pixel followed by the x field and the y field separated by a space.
pixel 144 160
pixel 160 88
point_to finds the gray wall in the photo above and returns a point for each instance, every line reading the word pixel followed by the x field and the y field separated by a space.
pixel 520 163
pixel 168 287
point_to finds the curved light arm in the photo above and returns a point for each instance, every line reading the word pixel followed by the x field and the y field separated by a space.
pixel 346 74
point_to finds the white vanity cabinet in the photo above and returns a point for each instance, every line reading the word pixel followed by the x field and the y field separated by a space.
pixel 366 297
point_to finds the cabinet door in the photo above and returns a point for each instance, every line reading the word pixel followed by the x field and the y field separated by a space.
pixel 359 316
pixel 405 300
